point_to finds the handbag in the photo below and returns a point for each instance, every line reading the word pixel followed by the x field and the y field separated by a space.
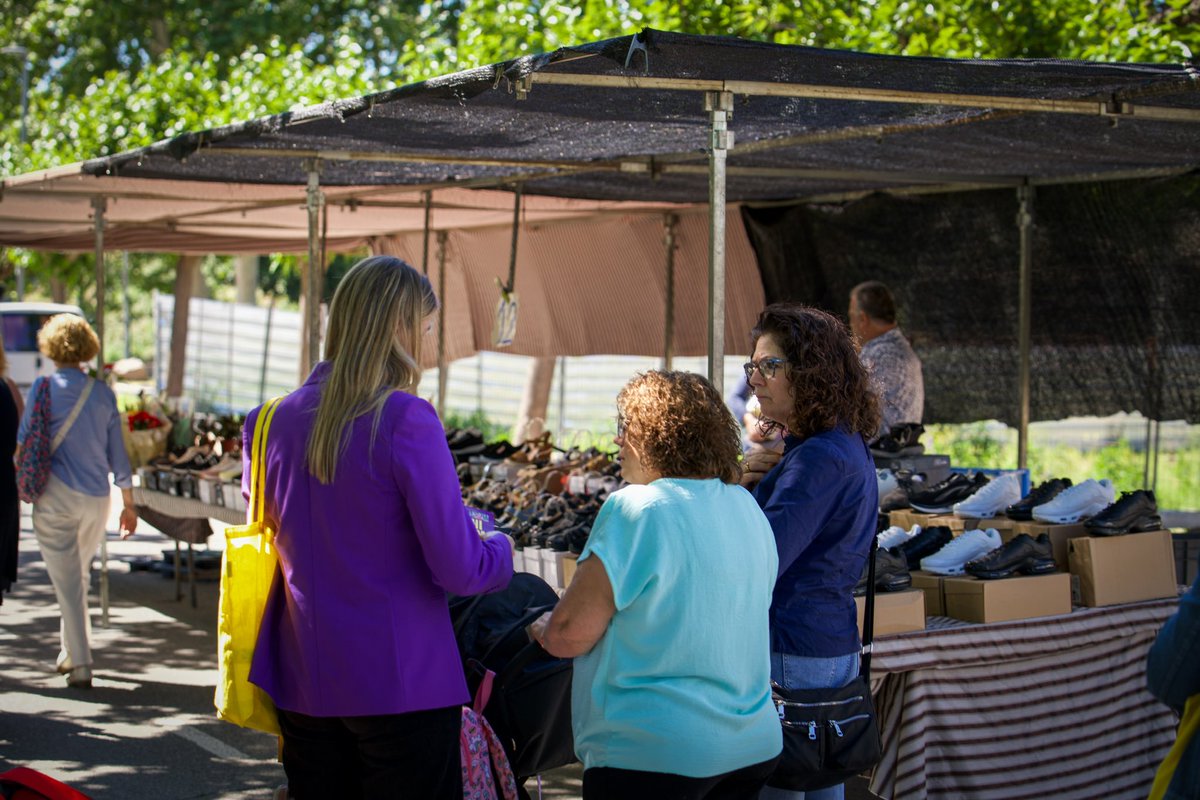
pixel 248 569
pixel 33 461
pixel 1189 728
pixel 830 735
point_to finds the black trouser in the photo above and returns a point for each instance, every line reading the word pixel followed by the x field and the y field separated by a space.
pixel 602 783
pixel 392 756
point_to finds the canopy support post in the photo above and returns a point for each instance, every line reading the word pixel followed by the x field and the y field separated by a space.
pixel 100 205
pixel 441 348
pixel 310 280
pixel 669 223
pixel 1025 316
pixel 719 105
pixel 425 241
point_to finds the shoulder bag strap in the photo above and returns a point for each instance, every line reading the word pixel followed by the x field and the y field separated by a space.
pixel 258 457
pixel 62 432
pixel 869 613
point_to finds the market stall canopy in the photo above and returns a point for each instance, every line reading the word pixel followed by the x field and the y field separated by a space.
pixel 625 120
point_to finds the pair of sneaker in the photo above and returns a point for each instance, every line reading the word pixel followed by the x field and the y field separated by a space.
pixel 953 557
pixel 1083 500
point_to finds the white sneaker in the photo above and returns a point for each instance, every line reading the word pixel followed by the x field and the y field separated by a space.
pixel 997 495
pixel 971 545
pixel 1077 502
pixel 896 536
pixel 886 480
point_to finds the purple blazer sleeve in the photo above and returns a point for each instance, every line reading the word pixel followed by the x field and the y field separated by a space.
pixel 460 561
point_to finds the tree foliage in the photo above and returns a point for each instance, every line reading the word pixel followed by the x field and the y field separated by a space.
pixel 110 75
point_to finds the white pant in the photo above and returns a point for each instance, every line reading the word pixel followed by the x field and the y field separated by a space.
pixel 70 526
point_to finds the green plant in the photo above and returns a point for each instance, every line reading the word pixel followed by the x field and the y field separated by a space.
pixel 989 446
pixel 492 431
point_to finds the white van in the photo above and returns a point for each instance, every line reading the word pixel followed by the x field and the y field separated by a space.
pixel 20 323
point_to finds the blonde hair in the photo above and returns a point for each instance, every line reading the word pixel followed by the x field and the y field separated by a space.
pixel 68 339
pixel 373 344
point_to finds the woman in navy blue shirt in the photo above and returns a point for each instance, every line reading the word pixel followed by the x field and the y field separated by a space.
pixel 820 495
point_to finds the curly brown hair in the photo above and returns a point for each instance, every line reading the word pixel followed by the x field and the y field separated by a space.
pixel 68 339
pixel 682 426
pixel 830 386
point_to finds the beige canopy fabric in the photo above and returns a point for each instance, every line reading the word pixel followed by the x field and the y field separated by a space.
pixel 594 285
pixel 52 210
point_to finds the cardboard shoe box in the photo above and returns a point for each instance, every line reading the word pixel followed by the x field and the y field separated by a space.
pixel 931 585
pixel 960 524
pixel 569 563
pixel 1124 569
pixel 895 612
pixel 1059 536
pixel 1021 597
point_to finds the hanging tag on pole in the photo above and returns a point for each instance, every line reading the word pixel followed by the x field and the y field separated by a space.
pixel 505 327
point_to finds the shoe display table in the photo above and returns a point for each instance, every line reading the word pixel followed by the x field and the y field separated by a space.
pixel 1050 707
pixel 184 520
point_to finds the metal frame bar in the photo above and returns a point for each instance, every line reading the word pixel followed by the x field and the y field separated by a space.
pixel 99 206
pixel 1106 108
pixel 719 105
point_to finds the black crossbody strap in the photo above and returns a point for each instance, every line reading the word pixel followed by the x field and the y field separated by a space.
pixel 869 613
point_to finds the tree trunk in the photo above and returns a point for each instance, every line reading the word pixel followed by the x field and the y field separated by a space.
pixel 246 278
pixel 58 290
pixel 185 278
pixel 531 421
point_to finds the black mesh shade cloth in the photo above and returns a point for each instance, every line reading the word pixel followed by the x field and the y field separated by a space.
pixel 1115 282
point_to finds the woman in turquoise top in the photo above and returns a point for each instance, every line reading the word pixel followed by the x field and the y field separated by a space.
pixel 667 615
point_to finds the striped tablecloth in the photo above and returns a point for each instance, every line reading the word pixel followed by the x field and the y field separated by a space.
pixel 185 506
pixel 1053 707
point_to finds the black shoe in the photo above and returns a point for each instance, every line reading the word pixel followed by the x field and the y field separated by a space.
pixel 900 441
pixel 1134 512
pixel 891 573
pixel 925 543
pixel 1022 554
pixel 1044 493
pixel 941 497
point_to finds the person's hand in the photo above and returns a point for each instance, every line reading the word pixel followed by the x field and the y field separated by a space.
pixel 512 545
pixel 756 465
pixel 537 628
pixel 129 521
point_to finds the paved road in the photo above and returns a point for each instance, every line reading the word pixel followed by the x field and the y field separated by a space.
pixel 147 728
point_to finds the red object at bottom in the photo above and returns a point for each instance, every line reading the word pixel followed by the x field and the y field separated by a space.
pixel 22 783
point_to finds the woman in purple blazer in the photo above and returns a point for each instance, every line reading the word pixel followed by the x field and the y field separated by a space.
pixel 356 647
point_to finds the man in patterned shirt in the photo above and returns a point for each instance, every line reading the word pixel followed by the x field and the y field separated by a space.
pixel 894 367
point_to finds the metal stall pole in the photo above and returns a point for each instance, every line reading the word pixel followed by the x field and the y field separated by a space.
pixel 1025 222
pixel 425 242
pixel 441 352
pixel 310 280
pixel 125 300
pixel 562 400
pixel 99 205
pixel 669 223
pixel 719 105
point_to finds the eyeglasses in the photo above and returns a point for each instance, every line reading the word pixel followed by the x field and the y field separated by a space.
pixel 620 427
pixel 765 366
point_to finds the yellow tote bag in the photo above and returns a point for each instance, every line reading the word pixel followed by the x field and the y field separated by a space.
pixel 247 570
pixel 1189 727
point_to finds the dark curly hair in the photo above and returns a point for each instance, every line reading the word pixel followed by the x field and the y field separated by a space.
pixel 830 386
pixel 682 426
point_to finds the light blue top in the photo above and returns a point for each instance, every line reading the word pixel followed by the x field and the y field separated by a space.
pixel 681 680
pixel 93 447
